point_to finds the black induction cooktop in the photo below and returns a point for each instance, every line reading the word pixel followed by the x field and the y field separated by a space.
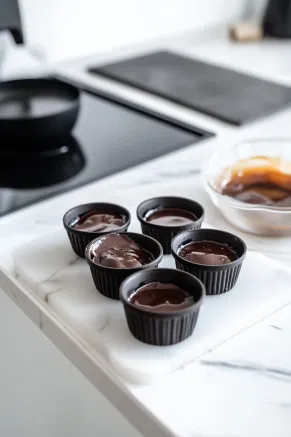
pixel 220 92
pixel 109 136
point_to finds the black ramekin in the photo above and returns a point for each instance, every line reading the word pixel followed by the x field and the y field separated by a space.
pixel 107 280
pixel 162 329
pixel 80 239
pixel 165 234
pixel 217 279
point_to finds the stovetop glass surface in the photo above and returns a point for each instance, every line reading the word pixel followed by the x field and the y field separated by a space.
pixel 108 137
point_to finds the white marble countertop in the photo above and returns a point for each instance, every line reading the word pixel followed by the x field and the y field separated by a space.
pixel 242 387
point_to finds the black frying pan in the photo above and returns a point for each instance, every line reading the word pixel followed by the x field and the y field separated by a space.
pixel 37 109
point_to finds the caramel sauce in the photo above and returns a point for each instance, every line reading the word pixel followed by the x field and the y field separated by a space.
pixel 258 180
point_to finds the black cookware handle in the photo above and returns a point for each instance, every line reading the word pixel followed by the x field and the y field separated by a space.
pixel 277 19
pixel 10 19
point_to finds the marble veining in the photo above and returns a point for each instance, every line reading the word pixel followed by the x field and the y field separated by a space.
pixel 269 372
pixel 276 327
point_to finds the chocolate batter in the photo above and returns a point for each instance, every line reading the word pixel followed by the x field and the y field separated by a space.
pixel 161 298
pixel 171 217
pixel 120 252
pixel 99 221
pixel 208 253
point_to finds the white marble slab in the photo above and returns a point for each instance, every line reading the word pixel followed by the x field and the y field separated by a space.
pixel 49 268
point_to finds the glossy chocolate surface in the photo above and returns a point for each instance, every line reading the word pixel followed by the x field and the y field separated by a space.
pixel 171 217
pixel 208 253
pixel 120 252
pixel 159 297
pixel 258 180
pixel 99 221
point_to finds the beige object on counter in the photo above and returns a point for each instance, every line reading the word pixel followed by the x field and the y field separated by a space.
pixel 246 31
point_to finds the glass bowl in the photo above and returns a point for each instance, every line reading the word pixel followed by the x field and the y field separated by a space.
pixel 256 219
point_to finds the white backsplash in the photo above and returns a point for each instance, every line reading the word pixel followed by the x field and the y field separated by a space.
pixel 62 29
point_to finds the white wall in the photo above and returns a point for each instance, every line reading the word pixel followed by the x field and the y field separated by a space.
pixel 61 29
